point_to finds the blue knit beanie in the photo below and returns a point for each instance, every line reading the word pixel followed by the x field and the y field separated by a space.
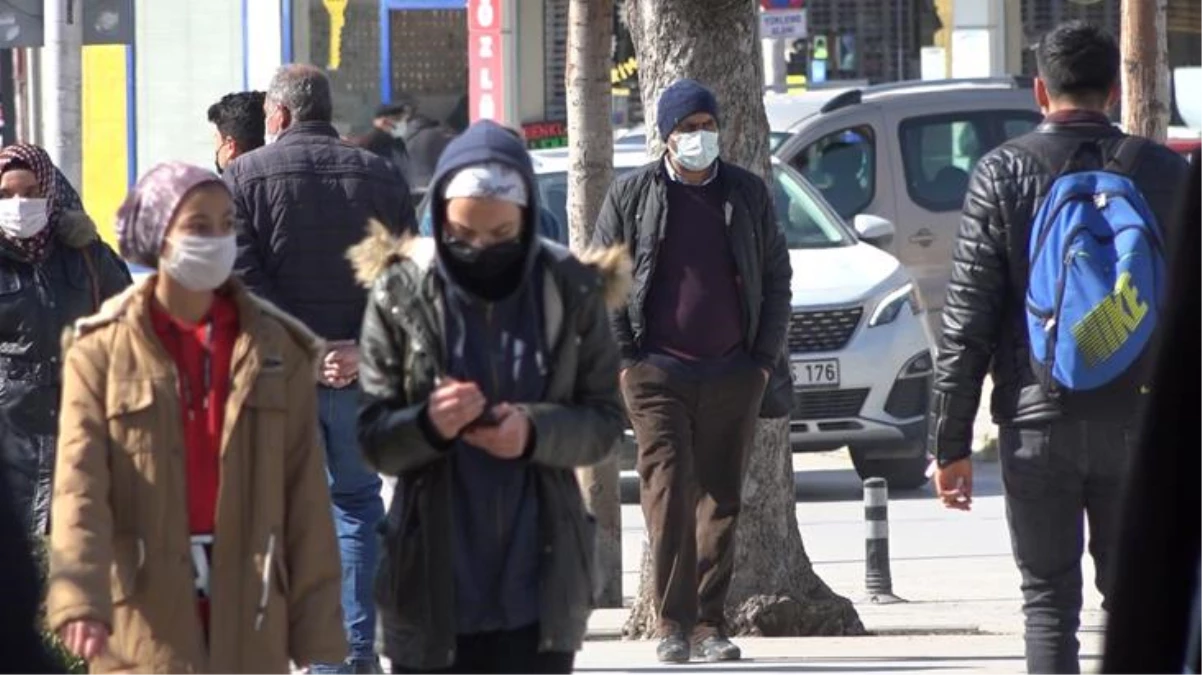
pixel 678 101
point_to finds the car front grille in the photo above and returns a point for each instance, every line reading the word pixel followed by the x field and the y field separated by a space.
pixel 823 330
pixel 828 405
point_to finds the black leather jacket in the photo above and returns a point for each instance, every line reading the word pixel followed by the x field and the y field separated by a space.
pixel 37 303
pixel 984 324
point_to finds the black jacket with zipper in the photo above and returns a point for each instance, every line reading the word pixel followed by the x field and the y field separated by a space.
pixel 984 315
pixel 635 214
pixel 37 303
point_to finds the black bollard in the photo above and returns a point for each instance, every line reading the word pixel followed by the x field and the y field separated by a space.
pixel 877 578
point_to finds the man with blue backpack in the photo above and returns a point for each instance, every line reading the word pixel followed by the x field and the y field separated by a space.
pixel 1058 282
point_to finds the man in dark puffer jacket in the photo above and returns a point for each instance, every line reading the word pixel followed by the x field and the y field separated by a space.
pixel 1059 462
pixel 301 202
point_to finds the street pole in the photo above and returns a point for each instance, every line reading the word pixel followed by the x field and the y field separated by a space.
pixel 1145 85
pixel 776 66
pixel 61 98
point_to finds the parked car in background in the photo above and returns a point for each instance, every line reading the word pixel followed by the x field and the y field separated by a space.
pixel 859 348
pixel 904 152
pixel 1184 140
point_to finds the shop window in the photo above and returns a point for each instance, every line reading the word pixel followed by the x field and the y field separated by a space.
pixel 429 62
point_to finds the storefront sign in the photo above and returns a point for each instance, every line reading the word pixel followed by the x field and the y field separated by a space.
pixel 485 60
pixel 542 135
pixel 624 71
pixel 783 23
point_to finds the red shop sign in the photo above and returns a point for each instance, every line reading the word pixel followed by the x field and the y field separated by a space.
pixel 485 60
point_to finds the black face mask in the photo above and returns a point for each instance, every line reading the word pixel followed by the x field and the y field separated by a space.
pixel 217 163
pixel 490 272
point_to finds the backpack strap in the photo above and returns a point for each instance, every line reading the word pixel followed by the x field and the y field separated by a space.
pixel 93 276
pixel 1085 157
pixel 1126 156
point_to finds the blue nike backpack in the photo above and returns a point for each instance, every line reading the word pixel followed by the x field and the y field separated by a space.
pixel 1097 276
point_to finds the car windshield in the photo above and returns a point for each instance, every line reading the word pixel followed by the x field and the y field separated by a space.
pixel 806 221
pixel 553 192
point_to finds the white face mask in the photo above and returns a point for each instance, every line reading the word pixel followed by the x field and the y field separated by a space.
pixel 697 150
pixel 22 218
pixel 201 263
pixel 270 138
pixel 398 129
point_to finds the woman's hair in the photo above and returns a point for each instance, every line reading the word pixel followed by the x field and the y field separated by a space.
pixel 16 165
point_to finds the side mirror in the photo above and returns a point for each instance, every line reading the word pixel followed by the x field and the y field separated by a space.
pixel 874 230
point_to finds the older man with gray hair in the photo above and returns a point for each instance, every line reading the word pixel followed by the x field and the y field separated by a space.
pixel 301 201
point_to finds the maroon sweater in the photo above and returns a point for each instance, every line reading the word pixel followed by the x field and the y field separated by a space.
pixel 694 308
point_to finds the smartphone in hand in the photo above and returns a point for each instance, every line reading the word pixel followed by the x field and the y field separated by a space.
pixel 485 420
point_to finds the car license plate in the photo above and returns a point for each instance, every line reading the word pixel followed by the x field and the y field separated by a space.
pixel 824 373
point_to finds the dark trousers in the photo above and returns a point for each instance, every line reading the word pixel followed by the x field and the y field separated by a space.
pixel 508 651
pixel 694 435
pixel 1055 478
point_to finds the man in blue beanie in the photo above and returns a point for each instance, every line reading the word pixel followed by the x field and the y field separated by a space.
pixel 701 338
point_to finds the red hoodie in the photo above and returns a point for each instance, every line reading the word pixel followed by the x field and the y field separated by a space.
pixel 208 345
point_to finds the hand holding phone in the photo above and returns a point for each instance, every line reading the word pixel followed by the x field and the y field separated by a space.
pixel 453 406
pixel 486 420
pixel 507 437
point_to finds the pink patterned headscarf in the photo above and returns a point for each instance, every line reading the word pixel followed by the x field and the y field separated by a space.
pixel 143 219
pixel 52 185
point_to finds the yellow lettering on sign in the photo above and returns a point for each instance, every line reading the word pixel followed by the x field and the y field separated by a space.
pixel 623 71
pixel 1108 326
pixel 337 11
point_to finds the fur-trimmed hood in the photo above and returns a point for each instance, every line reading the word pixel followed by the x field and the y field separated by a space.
pixel 380 249
pixel 76 229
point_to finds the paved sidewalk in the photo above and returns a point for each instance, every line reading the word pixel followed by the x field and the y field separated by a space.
pixel 955 569
pixel 929 654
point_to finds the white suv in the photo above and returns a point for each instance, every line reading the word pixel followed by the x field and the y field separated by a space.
pixel 859 347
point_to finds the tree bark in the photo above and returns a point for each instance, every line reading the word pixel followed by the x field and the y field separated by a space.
pixel 775 591
pixel 1145 69
pixel 590 159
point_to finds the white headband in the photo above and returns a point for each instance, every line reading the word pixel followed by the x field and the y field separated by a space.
pixel 493 180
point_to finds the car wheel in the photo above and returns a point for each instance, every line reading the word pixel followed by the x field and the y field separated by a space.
pixel 902 473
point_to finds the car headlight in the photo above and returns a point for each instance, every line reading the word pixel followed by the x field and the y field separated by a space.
pixel 890 306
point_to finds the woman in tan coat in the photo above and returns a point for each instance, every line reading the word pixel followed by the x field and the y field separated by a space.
pixel 190 525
